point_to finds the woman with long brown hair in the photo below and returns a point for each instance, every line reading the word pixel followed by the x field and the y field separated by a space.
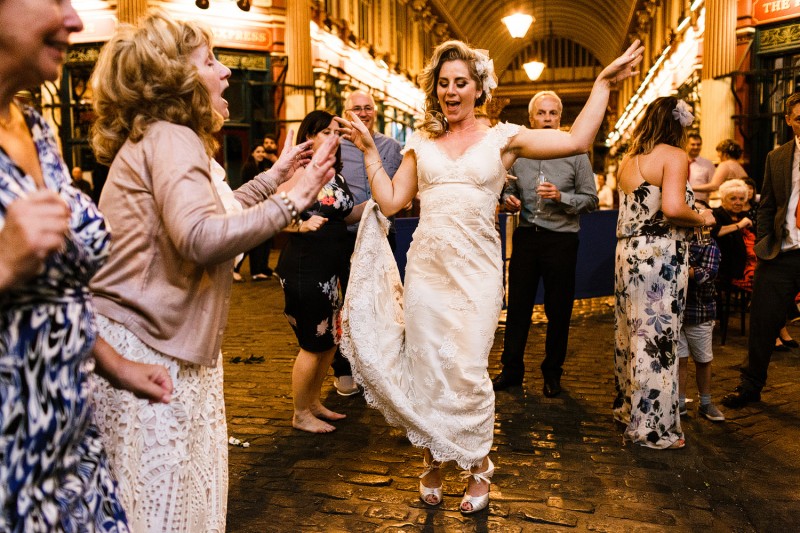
pixel 656 210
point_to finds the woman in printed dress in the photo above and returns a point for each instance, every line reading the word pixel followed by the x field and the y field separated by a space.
pixel 656 210
pixel 310 268
pixel 54 473
pixel 422 351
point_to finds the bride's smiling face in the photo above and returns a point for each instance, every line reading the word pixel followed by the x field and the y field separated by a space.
pixel 456 91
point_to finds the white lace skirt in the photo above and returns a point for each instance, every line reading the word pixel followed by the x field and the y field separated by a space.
pixel 170 460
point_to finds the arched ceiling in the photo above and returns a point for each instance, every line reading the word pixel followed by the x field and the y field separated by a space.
pixel 601 26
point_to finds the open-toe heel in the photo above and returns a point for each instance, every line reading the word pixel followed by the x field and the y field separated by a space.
pixel 425 493
pixel 476 503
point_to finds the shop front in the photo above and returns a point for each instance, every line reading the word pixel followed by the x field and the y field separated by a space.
pixel 774 75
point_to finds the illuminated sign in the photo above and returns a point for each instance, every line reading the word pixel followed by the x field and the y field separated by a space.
pixel 766 11
pixel 97 27
pixel 242 36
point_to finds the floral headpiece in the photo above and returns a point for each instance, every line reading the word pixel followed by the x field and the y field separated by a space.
pixel 683 113
pixel 485 68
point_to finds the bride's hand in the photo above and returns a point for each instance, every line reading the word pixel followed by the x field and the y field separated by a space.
pixel 292 158
pixel 356 132
pixel 622 67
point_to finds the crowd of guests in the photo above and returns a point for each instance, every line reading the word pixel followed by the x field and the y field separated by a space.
pixel 146 449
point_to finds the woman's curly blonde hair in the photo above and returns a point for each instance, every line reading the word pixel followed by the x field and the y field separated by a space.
pixel 434 123
pixel 144 75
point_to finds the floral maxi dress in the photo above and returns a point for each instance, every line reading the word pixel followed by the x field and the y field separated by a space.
pixel 651 276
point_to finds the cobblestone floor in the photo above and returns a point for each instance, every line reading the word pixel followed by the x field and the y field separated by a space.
pixel 561 463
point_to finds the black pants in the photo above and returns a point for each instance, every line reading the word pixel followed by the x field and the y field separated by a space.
pixel 552 257
pixel 340 365
pixel 775 284
pixel 259 259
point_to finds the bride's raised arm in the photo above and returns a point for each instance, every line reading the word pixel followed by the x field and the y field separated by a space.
pixel 548 144
pixel 390 194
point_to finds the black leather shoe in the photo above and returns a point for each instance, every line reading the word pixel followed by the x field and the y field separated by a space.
pixel 740 397
pixel 781 347
pixel 552 387
pixel 790 343
pixel 504 381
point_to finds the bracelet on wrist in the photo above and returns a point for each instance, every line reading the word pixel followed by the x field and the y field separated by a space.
pixel 378 162
pixel 290 206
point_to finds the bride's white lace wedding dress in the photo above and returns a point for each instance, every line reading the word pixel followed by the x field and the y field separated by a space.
pixel 422 354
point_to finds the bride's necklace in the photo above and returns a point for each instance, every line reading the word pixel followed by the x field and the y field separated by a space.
pixel 462 130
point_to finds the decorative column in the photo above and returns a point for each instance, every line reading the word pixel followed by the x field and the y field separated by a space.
pixel 300 76
pixel 719 62
pixel 131 11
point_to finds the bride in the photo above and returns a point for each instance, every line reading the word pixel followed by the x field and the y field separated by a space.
pixel 422 354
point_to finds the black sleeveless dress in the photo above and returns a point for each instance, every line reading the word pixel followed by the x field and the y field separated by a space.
pixel 310 267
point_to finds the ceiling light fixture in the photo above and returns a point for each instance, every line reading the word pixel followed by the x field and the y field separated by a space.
pixel 518 24
pixel 533 69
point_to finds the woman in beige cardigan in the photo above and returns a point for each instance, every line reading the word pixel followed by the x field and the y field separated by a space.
pixel 164 294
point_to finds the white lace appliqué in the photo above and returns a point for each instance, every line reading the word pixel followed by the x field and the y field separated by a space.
pixel 171 460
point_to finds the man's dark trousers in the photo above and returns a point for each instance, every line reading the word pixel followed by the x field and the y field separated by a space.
pixel 775 284
pixel 551 256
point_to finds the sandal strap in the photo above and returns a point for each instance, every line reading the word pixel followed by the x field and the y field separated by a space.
pixel 429 467
pixel 486 475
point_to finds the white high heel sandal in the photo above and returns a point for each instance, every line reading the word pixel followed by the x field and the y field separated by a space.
pixel 478 503
pixel 424 491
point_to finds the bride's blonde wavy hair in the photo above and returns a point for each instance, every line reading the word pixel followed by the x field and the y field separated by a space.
pixel 144 75
pixel 434 123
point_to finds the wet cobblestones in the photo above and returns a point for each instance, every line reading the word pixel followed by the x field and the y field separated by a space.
pixel 561 464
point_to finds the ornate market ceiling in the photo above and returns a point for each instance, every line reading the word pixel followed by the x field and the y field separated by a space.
pixel 600 26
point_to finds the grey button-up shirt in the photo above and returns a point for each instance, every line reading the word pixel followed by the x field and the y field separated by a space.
pixel 355 173
pixel 575 180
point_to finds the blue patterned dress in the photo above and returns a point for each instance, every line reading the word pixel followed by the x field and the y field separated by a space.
pixel 54 474
pixel 651 275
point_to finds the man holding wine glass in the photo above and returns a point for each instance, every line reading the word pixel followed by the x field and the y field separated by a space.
pixel 550 195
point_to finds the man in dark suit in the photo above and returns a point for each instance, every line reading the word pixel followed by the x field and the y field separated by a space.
pixel 777 276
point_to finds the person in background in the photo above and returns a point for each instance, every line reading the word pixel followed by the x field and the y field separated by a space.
pixel 701 170
pixel 54 472
pixel 544 246
pixel 163 296
pixel 651 273
pixel 698 326
pixel 270 143
pixel 729 167
pixel 256 163
pixel 79 183
pixel 777 277
pixel 355 174
pixel 733 232
pixel 605 195
pixel 311 267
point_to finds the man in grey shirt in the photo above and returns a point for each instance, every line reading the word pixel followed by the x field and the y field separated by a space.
pixel 355 174
pixel 544 245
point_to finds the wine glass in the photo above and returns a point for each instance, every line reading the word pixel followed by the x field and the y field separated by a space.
pixel 539 180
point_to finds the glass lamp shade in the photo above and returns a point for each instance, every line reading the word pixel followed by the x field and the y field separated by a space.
pixel 518 24
pixel 533 69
